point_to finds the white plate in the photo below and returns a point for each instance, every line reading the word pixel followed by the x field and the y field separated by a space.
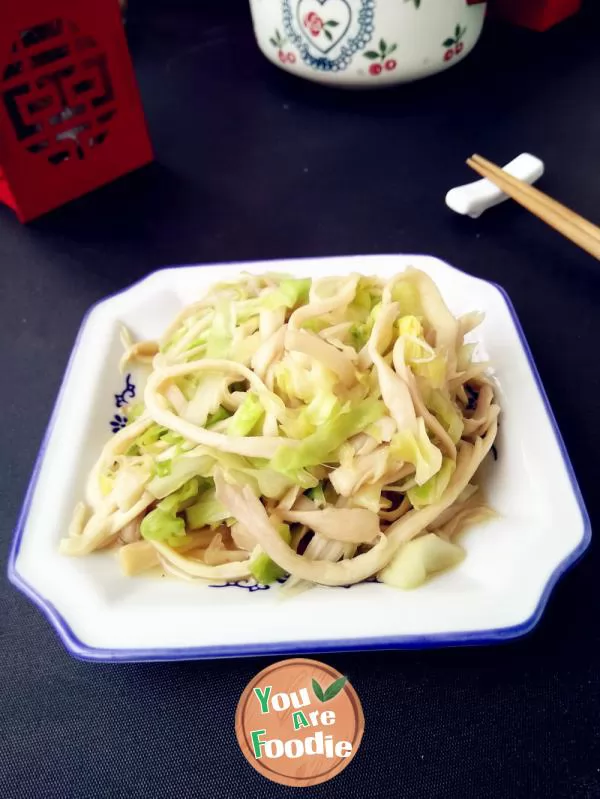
pixel 498 592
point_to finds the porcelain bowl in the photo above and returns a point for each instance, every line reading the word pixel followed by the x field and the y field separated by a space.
pixel 366 43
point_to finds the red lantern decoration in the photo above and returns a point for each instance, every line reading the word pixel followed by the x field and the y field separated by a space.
pixel 536 14
pixel 71 118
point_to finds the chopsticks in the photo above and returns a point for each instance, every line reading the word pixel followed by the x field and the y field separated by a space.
pixel 574 227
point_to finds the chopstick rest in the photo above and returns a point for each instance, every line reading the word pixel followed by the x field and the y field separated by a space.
pixel 473 199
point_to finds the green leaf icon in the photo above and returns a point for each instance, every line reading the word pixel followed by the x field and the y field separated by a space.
pixel 371 55
pixel 335 688
pixel 318 691
pixel 448 42
pixel 331 692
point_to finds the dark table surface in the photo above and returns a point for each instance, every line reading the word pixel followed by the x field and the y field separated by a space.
pixel 254 164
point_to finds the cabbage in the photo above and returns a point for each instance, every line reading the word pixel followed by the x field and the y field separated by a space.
pixel 218 342
pixel 447 414
pixel 301 382
pixel 314 386
pixel 218 416
pixel 465 355
pixel 343 388
pixel 367 296
pixel 419 355
pixel 407 294
pixel 180 499
pixel 246 348
pixel 207 511
pixel 315 325
pixel 321 407
pixel 135 411
pixel 317 447
pixel 163 468
pixel 409 325
pixel 368 497
pixel 317 495
pixel 188 385
pixel 383 430
pixel 303 422
pixel 354 472
pixel 168 528
pixel 431 491
pixel 416 448
pixel 182 470
pixel 359 335
pixel 247 416
pixel 266 481
pixel 106 482
pixel 434 371
pixel 207 399
pixel 362 310
pixel 417 559
pixel 439 318
pixel 290 293
pixel 262 568
pixel 163 524
pixel 145 441
pixel 172 438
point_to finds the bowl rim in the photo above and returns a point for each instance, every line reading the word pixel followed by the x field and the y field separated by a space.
pixel 79 649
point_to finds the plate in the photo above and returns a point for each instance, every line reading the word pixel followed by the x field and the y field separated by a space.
pixel 497 593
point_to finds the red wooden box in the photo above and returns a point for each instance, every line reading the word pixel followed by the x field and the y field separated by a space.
pixel 71 118
pixel 536 14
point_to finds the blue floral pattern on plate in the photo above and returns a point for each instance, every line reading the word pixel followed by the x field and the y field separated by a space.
pixel 119 420
pixel 252 585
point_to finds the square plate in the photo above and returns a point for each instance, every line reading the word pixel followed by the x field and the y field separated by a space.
pixel 497 593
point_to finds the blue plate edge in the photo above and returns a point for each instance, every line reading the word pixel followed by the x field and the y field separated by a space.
pixel 84 652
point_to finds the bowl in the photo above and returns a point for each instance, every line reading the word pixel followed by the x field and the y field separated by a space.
pixel 363 43
pixel 498 592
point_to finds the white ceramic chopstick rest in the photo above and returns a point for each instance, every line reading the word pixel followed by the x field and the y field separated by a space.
pixel 473 199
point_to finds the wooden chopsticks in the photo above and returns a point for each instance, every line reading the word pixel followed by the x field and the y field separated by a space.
pixel 574 227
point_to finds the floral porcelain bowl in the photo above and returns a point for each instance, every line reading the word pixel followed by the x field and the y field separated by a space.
pixel 366 43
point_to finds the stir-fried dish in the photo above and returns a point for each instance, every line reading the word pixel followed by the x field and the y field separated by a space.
pixel 327 430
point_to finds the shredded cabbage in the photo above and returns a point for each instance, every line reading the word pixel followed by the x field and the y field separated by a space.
pixel 163 524
pixel 246 417
pixel 309 427
pixel 416 560
pixel 321 445
pixel 431 491
pixel 206 512
pixel 416 448
pixel 262 567
pixel 447 413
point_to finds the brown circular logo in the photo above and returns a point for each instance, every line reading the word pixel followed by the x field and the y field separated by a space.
pixel 299 722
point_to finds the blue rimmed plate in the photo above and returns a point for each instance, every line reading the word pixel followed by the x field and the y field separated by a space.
pixel 497 593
